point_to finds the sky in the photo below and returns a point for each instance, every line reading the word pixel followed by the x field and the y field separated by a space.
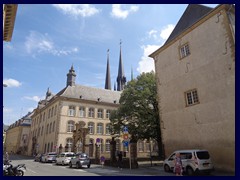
pixel 48 39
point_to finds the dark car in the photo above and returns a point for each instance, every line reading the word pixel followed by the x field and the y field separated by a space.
pixel 38 157
pixel 80 159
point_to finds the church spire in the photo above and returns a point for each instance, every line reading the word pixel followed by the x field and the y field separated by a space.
pixel 131 73
pixel 108 78
pixel 71 77
pixel 121 79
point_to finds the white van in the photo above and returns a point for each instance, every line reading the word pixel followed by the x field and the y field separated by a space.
pixel 64 158
pixel 194 161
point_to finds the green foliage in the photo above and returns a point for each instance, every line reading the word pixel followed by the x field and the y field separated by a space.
pixel 138 109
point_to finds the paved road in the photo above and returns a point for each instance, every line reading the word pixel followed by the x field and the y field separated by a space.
pixel 50 169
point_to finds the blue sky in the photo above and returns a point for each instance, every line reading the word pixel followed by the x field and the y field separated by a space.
pixel 48 39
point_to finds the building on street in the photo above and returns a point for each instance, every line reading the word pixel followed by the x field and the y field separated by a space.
pixel 195 71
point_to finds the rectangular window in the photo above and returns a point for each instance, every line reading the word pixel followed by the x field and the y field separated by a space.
pixel 91 112
pixel 108 114
pixel 71 111
pixel 191 97
pixel 81 112
pixel 100 129
pixel 184 51
pixel 100 113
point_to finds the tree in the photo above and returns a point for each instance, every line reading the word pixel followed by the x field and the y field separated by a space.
pixel 139 110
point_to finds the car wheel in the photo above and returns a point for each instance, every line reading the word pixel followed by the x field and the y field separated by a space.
pixel 78 165
pixel 70 165
pixel 190 171
pixel 89 165
pixel 166 168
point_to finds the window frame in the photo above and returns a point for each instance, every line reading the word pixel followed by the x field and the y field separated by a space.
pixel 193 97
pixel 91 126
pixel 91 112
pixel 68 126
pixel 100 114
pixel 184 50
pixel 108 114
pixel 71 111
pixel 82 111
pixel 100 131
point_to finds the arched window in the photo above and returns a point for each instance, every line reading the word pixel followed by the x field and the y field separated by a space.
pixel 100 113
pixel 70 126
pixel 91 112
pixel 107 129
pixel 99 128
pixel 140 146
pixel 108 145
pixel 91 127
pixel 81 111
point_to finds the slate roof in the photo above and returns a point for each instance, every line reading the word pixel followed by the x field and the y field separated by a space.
pixel 192 14
pixel 90 93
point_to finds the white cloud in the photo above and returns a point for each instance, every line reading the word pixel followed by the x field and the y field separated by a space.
pixel 146 63
pixel 166 31
pixel 33 98
pixel 37 43
pixel 161 35
pixel 12 83
pixel 122 11
pixel 76 10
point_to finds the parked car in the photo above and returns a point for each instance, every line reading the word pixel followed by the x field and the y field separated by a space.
pixel 49 157
pixel 193 161
pixel 64 158
pixel 38 157
pixel 80 159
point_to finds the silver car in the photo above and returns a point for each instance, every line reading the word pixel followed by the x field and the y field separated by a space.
pixel 64 158
pixel 80 159
pixel 49 157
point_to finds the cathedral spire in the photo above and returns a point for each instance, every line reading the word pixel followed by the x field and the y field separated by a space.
pixel 121 79
pixel 71 77
pixel 108 78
